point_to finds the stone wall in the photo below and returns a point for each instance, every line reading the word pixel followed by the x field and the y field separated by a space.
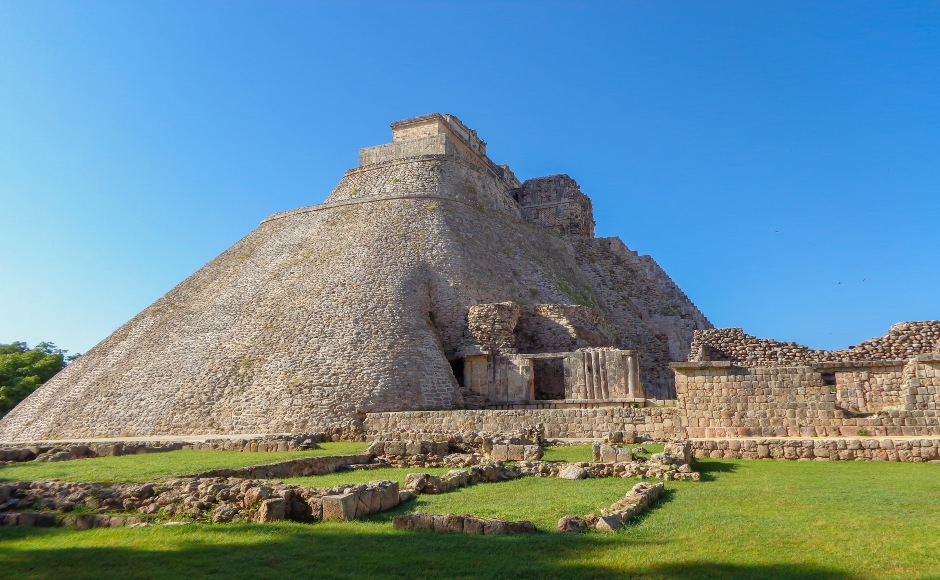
pixel 493 326
pixel 653 422
pixel 717 399
pixel 903 341
pixel 648 311
pixel 922 374
pixel 326 313
pixel 302 467
pixel 873 449
pixel 556 202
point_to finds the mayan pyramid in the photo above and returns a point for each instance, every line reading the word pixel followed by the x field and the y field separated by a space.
pixel 370 301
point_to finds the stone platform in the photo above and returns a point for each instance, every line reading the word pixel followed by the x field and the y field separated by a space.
pixel 906 449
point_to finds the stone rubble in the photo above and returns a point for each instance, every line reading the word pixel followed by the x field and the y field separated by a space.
pixel 271 443
pixel 215 500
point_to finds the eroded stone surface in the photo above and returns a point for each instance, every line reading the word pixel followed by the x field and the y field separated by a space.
pixel 326 313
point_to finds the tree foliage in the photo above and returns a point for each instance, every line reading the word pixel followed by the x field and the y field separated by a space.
pixel 24 369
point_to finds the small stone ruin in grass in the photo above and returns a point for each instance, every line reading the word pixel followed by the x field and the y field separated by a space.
pixel 449 523
pixel 612 519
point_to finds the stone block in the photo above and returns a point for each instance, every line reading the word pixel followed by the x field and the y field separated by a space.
pixel 472 526
pixel 389 496
pixel 609 523
pixel 272 510
pixel 454 524
pixel 439 522
pixel 364 503
pixel 521 527
pixel 340 507
pixel 423 522
pixel 495 527
pixel 403 522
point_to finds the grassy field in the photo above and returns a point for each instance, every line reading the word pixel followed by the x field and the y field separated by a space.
pixel 747 519
pixel 159 465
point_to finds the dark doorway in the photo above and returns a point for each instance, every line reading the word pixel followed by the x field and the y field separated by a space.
pixel 456 366
pixel 549 379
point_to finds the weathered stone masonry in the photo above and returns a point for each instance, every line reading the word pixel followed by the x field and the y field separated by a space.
pixel 362 304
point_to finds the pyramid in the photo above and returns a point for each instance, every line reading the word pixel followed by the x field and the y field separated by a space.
pixel 366 303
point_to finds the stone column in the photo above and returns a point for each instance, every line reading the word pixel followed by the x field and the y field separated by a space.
pixel 634 388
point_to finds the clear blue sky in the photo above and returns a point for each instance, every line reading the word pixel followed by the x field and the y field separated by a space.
pixel 781 160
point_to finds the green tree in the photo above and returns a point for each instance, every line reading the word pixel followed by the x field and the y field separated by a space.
pixel 24 369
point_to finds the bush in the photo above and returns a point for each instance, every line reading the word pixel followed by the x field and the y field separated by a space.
pixel 24 369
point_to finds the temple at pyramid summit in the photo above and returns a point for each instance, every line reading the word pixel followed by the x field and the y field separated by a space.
pixel 431 278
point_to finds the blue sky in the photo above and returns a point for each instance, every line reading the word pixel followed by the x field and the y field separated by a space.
pixel 781 160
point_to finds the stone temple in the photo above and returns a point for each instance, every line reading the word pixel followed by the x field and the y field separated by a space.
pixel 431 278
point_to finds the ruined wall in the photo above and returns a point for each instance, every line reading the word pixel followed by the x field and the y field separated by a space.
pixel 865 389
pixel 903 341
pixel 871 449
pixel 717 399
pixel 563 327
pixel 493 326
pixel 654 422
pixel 922 376
pixel 556 202
pixel 647 310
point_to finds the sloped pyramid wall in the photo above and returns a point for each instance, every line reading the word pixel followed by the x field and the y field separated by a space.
pixel 322 314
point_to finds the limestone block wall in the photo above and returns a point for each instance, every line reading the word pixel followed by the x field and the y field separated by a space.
pixel 871 449
pixel 556 202
pixel 923 382
pixel 326 313
pixel 654 422
pixel 563 327
pixel 903 341
pixel 493 325
pixel 647 310
pixel 399 177
pixel 717 399
pixel 868 389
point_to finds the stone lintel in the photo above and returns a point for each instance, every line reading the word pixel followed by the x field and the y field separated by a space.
pixel 856 365
pixel 564 355
pixel 596 401
pixel 691 366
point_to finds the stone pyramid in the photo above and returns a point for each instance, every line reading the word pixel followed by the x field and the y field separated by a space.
pixel 362 303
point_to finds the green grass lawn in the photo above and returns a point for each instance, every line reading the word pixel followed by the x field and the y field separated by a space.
pixel 159 465
pixel 749 519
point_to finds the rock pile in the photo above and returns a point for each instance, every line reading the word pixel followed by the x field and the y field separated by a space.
pixel 203 499
pixel 903 341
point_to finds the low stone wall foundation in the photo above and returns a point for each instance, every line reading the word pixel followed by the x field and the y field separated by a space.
pixel 652 422
pixel 871 449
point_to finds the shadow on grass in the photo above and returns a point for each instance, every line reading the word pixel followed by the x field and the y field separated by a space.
pixel 709 467
pixel 352 551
